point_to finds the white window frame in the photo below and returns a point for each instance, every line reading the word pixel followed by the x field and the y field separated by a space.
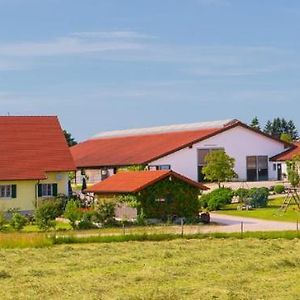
pixel 49 188
pixel 5 191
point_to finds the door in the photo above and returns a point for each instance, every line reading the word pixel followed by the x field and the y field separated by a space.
pixel 279 172
pixel 257 168
pixel 251 168
pixel 201 163
pixel 262 165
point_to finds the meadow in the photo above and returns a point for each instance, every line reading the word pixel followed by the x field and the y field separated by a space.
pixel 178 269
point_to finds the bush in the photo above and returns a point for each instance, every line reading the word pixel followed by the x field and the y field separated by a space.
pixel 216 199
pixel 106 211
pixel 141 219
pixel 279 189
pixel 47 212
pixel 73 213
pixel 18 221
pixel 259 197
pixel 3 220
pixel 242 193
pixel 87 221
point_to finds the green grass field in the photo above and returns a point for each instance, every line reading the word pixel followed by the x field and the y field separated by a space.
pixel 269 213
pixel 179 269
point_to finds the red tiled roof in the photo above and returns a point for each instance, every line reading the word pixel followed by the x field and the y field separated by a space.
pixel 142 149
pixel 132 182
pixel 130 150
pixel 31 146
pixel 288 154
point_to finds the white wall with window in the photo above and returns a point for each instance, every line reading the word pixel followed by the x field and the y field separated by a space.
pixel 240 143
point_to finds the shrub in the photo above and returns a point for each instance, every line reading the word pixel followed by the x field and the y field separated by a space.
pixel 47 212
pixel 87 221
pixel 3 220
pixel 141 219
pixel 259 197
pixel 216 199
pixel 279 189
pixel 18 221
pixel 73 213
pixel 106 211
pixel 242 193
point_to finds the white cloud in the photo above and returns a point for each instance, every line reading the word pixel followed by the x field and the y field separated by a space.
pixel 112 35
pixel 65 46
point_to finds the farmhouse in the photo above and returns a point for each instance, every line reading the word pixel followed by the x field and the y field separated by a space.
pixel 181 148
pixel 160 193
pixel 34 161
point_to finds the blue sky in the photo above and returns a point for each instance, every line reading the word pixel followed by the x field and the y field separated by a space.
pixel 102 65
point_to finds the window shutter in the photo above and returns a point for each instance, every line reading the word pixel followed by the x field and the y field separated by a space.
pixel 54 189
pixel 40 192
pixel 14 191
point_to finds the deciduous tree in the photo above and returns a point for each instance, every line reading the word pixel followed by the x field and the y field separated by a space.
pixel 219 167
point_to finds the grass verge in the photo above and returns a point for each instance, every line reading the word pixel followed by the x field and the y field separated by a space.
pixel 271 212
pixel 262 235
pixel 21 240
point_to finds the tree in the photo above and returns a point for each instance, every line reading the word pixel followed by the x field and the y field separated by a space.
pixel 255 123
pixel 293 168
pixel 292 130
pixel 278 126
pixel 268 127
pixel 70 140
pixel 286 137
pixel 219 167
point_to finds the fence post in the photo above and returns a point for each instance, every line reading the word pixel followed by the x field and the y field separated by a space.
pixel 124 232
pixel 182 227
pixel 242 229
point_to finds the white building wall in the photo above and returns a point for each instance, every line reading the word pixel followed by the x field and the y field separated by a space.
pixel 238 143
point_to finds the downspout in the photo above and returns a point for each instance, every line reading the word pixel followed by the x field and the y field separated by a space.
pixel 36 194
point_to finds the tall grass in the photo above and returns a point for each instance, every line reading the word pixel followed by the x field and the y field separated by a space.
pixel 39 240
pixel 71 239
pixel 24 240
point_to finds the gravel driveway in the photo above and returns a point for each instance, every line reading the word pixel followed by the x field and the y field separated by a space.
pixel 233 224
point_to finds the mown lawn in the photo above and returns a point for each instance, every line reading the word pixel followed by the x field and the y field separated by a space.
pixel 179 269
pixel 269 213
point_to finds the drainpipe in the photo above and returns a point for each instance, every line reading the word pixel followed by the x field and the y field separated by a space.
pixel 37 194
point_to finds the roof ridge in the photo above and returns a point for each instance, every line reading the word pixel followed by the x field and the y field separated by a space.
pixel 166 129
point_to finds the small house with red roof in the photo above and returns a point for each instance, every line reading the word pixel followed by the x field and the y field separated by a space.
pixel 279 160
pixel 160 194
pixel 35 161
pixel 181 148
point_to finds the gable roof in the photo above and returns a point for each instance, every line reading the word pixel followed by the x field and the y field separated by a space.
pixel 133 182
pixel 142 148
pixel 32 146
pixel 288 154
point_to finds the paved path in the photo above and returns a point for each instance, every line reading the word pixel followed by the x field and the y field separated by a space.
pixel 233 224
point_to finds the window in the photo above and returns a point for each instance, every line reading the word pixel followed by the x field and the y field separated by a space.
pixel 159 167
pixel 201 154
pixel 274 167
pixel 47 190
pixel 104 174
pixel 164 167
pixel 8 191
